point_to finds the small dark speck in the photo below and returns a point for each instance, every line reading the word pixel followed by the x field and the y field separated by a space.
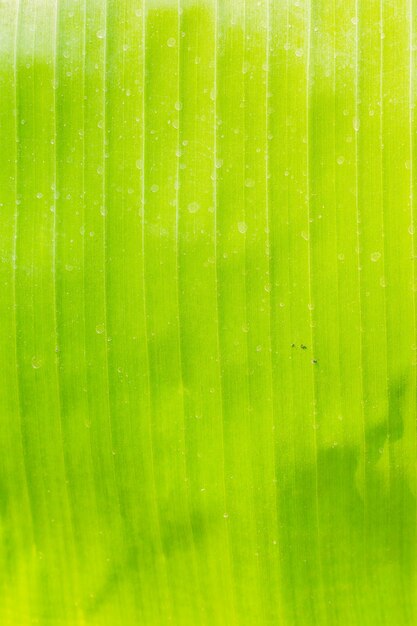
pixel 314 361
pixel 293 345
pixel 303 347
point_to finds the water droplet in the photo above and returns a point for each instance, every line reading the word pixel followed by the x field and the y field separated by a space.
pixel 258 348
pixel 249 182
pixel 193 207
pixel 356 124
pixel 154 188
pixel 340 160
pixel 178 106
pixel 101 34
pixel 375 256
pixel 242 227
pixel 354 20
pixel 304 235
pixel 225 515
pixel 171 42
pixel 299 52
pixel 36 363
pixel 39 195
pixel 411 229
pixel 100 329
pixel 139 164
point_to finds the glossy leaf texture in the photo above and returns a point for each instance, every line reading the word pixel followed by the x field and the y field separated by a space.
pixel 207 313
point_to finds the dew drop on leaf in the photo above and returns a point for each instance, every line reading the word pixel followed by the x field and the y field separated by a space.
pixel 193 207
pixel 36 362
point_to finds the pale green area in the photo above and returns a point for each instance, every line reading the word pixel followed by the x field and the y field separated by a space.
pixel 207 313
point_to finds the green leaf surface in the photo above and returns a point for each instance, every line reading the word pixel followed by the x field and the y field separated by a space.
pixel 207 313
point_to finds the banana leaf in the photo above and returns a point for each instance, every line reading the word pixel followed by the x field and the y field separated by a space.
pixel 207 313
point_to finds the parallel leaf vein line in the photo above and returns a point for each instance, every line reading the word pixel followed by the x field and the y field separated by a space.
pixel 312 334
pixel 246 308
pixel 14 262
pixel 218 320
pixel 412 220
pixel 59 395
pixel 411 136
pixel 105 335
pixel 383 236
pixel 156 514
pixel 269 252
pixel 360 285
pixel 178 296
